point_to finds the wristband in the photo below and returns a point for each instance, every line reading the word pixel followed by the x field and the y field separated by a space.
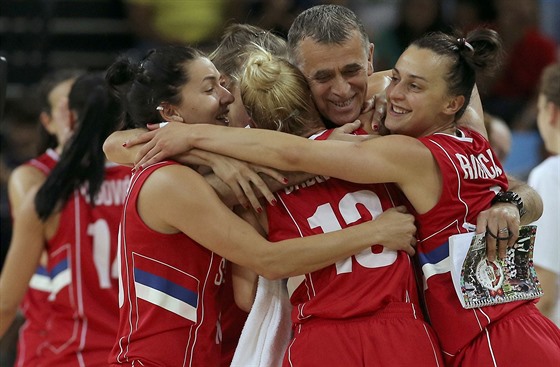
pixel 510 197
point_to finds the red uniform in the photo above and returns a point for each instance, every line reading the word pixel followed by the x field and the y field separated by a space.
pixel 511 334
pixel 35 306
pixel 363 310
pixel 232 320
pixel 170 294
pixel 84 284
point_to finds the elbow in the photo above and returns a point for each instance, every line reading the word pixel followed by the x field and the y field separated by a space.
pixel 546 306
pixel 108 148
pixel 269 266
pixel 273 269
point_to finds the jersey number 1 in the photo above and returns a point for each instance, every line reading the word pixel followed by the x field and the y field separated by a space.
pixel 102 253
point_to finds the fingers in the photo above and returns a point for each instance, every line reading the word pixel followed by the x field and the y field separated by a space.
pixel 492 243
pixel 368 105
pixel 380 111
pixel 152 127
pixel 513 226
pixel 140 139
pixel 148 159
pixel 250 193
pixel 501 224
pixel 271 173
pixel 410 250
pixel 241 197
pixel 146 154
pixel 350 127
pixel 503 239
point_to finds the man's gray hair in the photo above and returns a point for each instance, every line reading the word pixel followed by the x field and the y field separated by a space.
pixel 326 24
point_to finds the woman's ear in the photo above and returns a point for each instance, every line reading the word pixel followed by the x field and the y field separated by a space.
pixel 554 114
pixel 169 113
pixel 46 120
pixel 454 104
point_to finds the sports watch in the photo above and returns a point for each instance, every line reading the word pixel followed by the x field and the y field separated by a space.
pixel 510 197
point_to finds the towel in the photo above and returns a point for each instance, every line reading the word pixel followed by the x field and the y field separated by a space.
pixel 267 331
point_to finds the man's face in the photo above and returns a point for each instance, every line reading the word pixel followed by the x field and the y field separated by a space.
pixel 337 76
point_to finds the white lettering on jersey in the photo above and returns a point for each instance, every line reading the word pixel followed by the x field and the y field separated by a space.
pixel 479 166
pixel 112 192
pixel 312 181
pixel 220 275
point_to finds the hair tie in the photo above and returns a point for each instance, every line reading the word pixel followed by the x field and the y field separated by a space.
pixel 463 43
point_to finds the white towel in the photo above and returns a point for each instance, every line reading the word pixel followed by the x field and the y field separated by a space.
pixel 267 331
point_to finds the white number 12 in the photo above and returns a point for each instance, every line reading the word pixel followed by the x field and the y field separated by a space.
pixel 325 218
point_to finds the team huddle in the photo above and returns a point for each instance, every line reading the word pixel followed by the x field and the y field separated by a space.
pixel 293 209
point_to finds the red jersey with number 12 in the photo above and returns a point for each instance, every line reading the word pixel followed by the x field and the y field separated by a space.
pixel 359 285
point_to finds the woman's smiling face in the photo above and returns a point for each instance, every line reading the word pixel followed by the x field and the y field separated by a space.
pixel 417 97
pixel 204 98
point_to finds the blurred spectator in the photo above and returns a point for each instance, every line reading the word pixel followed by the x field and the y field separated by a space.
pixel 20 129
pixel 415 18
pixel 499 136
pixel 276 16
pixel 195 22
pixel 20 141
pixel 550 13
pixel 511 94
pixel 469 14
pixel 545 179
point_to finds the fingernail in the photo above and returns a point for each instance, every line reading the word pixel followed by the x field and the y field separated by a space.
pixel 375 127
pixel 273 202
pixel 125 144
pixel 259 210
pixel 285 180
pixel 133 170
pixel 140 168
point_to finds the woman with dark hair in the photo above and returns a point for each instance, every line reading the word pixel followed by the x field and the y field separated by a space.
pixel 74 217
pixel 177 234
pixel 448 173
pixel 52 100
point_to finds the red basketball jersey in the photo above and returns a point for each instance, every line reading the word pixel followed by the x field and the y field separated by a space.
pixel 82 266
pixel 472 175
pixel 232 319
pixel 34 306
pixel 359 285
pixel 170 293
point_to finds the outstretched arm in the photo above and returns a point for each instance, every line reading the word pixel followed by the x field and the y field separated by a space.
pixel 22 260
pixel 231 237
pixel 236 182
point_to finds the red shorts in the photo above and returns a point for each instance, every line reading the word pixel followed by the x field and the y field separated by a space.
pixel 523 338
pixel 395 336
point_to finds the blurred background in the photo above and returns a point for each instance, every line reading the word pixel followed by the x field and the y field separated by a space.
pixel 41 36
